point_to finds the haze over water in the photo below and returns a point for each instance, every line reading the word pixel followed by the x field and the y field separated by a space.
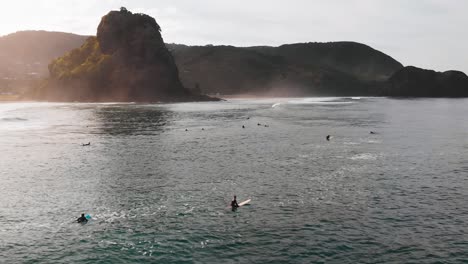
pixel 158 193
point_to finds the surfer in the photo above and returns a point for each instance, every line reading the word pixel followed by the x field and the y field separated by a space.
pixel 243 126
pixel 82 219
pixel 234 204
pixel 84 145
pixel 328 138
pixel 372 132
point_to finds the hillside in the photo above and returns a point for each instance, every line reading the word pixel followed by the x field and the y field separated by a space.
pixel 25 56
pixel 356 59
pixel 29 52
pixel 336 68
pixel 415 82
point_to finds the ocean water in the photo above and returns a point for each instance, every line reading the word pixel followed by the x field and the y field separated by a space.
pixel 159 194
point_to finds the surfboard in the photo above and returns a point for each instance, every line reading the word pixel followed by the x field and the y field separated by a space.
pixel 245 202
pixel 88 216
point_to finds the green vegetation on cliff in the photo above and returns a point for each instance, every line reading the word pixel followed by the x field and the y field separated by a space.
pixel 86 62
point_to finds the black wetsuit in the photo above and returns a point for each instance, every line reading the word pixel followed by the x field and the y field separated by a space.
pixel 82 219
pixel 234 205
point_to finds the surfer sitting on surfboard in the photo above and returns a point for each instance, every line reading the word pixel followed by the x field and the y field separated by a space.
pixel 234 204
pixel 82 219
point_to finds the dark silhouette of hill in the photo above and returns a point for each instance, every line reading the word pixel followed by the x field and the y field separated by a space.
pixel 356 59
pixel 337 68
pixel 126 61
pixel 415 82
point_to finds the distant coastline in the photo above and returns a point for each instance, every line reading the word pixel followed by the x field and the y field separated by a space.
pixel 80 71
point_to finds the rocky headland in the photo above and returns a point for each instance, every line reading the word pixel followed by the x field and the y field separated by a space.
pixel 416 82
pixel 126 61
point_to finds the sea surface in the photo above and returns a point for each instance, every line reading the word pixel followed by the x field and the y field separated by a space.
pixel 157 180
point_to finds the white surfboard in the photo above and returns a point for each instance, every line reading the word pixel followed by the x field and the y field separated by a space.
pixel 245 202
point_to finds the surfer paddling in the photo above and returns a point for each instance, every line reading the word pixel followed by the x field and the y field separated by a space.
pixel 234 204
pixel 82 219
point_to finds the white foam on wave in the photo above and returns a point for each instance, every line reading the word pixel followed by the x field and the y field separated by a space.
pixel 9 107
pixel 364 156
pixel 276 104
pixel 371 141
pixel 210 106
pixel 113 103
pixel 321 100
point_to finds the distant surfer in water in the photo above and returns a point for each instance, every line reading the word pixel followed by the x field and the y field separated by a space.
pixel 372 132
pixel 243 126
pixel 234 204
pixel 82 219
pixel 328 138
pixel 84 145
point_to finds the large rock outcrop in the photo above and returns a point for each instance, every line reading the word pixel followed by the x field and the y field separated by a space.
pixel 126 61
pixel 415 82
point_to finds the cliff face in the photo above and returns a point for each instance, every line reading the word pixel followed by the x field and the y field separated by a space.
pixel 127 61
pixel 415 82
pixel 337 68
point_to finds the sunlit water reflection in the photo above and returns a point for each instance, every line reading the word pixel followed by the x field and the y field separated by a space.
pixel 158 193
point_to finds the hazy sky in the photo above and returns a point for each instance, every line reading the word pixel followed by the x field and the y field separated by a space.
pixel 425 33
